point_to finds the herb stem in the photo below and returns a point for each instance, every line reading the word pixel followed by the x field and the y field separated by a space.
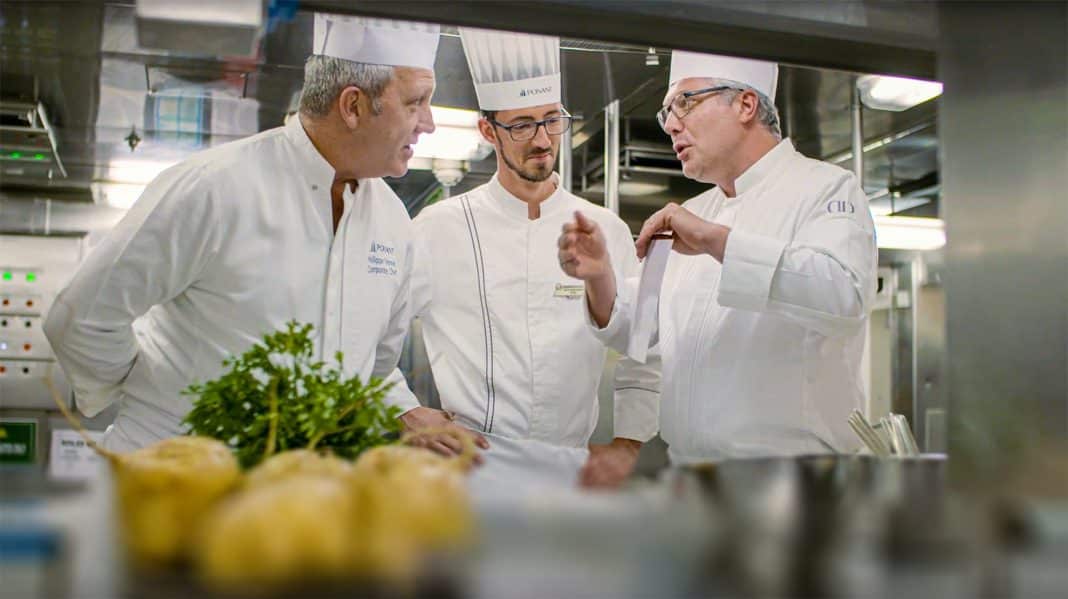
pixel 272 434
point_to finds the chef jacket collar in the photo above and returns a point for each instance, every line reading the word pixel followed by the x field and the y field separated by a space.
pixel 517 208
pixel 310 163
pixel 768 164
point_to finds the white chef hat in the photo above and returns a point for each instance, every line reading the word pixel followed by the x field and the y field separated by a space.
pixel 376 41
pixel 761 76
pixel 512 70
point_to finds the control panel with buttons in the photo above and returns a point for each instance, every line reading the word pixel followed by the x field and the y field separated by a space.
pixel 33 269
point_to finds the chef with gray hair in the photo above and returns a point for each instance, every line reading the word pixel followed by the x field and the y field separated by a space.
pixel 232 243
pixel 768 286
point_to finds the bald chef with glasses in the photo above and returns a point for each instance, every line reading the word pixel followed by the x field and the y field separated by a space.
pixel 505 329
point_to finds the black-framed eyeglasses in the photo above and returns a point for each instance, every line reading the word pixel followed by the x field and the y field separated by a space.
pixel 526 130
pixel 683 103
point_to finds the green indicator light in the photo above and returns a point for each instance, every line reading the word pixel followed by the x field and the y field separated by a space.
pixel 38 156
pixel 31 277
pixel 16 154
pixel 7 276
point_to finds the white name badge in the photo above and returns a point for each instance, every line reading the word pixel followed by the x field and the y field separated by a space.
pixel 569 291
pixel 70 457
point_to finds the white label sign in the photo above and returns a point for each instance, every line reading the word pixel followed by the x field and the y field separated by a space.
pixel 70 457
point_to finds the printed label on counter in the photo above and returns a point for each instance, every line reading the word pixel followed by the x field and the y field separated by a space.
pixel 71 457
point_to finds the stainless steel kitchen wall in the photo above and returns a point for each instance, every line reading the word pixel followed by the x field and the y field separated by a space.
pixel 1004 135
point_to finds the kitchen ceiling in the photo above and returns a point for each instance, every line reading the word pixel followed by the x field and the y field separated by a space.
pixel 121 112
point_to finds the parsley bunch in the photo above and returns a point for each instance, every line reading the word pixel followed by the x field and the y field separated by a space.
pixel 274 397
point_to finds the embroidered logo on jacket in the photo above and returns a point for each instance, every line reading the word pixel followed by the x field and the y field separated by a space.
pixel 381 260
pixel 840 207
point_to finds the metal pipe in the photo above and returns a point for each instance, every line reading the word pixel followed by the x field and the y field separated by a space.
pixel 858 137
pixel 611 156
pixel 882 141
pixel 566 162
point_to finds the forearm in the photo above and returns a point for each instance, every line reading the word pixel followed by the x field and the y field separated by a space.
pixel 637 397
pixel 806 285
pixel 600 298
pixel 96 357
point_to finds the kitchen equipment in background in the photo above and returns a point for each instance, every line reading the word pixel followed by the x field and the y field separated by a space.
pixel 28 142
pixel 872 440
pixel 231 28
pixel 32 271
pixel 891 436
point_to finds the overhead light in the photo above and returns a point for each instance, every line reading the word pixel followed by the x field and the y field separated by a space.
pixel 909 233
pixel 895 93
pixel 641 188
pixel 651 58
pixel 455 136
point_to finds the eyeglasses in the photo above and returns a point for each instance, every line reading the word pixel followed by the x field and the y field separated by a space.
pixel 683 103
pixel 526 130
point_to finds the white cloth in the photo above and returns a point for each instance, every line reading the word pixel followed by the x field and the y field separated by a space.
pixel 518 467
pixel 761 355
pixel 505 328
pixel 761 76
pixel 376 41
pixel 219 250
pixel 512 70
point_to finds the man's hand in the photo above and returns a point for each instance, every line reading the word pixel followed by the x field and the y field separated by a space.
pixel 583 251
pixel 421 418
pixel 583 254
pixel 609 465
pixel 693 235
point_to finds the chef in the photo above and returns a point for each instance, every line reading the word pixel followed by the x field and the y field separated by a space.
pixel 768 287
pixel 230 244
pixel 505 329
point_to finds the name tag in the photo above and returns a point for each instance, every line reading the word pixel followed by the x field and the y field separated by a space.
pixel 569 291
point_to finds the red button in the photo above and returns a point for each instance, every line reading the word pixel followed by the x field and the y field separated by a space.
pixel 3 369
pixel 26 347
pixel 29 303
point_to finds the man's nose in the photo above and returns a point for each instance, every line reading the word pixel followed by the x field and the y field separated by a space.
pixel 541 136
pixel 426 121
pixel 673 124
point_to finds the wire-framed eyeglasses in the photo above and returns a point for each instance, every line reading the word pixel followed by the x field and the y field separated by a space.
pixel 526 130
pixel 683 103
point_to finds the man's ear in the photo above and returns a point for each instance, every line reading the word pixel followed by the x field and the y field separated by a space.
pixel 352 105
pixel 748 106
pixel 488 131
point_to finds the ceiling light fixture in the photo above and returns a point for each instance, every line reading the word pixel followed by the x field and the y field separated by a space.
pixel 909 233
pixel 895 93
pixel 455 136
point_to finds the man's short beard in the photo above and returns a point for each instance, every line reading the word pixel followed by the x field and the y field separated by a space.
pixel 535 176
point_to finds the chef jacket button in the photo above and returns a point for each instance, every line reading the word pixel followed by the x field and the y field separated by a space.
pixel 315 188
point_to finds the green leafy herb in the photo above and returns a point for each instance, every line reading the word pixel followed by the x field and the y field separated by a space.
pixel 275 397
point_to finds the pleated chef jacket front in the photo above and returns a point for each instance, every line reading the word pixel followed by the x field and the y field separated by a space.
pixel 505 328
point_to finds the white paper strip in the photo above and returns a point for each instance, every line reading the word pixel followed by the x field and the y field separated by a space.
pixel 643 318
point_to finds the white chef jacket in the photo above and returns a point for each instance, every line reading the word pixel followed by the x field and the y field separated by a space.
pixel 761 354
pixel 220 250
pixel 505 327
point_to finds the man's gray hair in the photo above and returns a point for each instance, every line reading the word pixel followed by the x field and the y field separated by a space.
pixel 767 114
pixel 326 76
